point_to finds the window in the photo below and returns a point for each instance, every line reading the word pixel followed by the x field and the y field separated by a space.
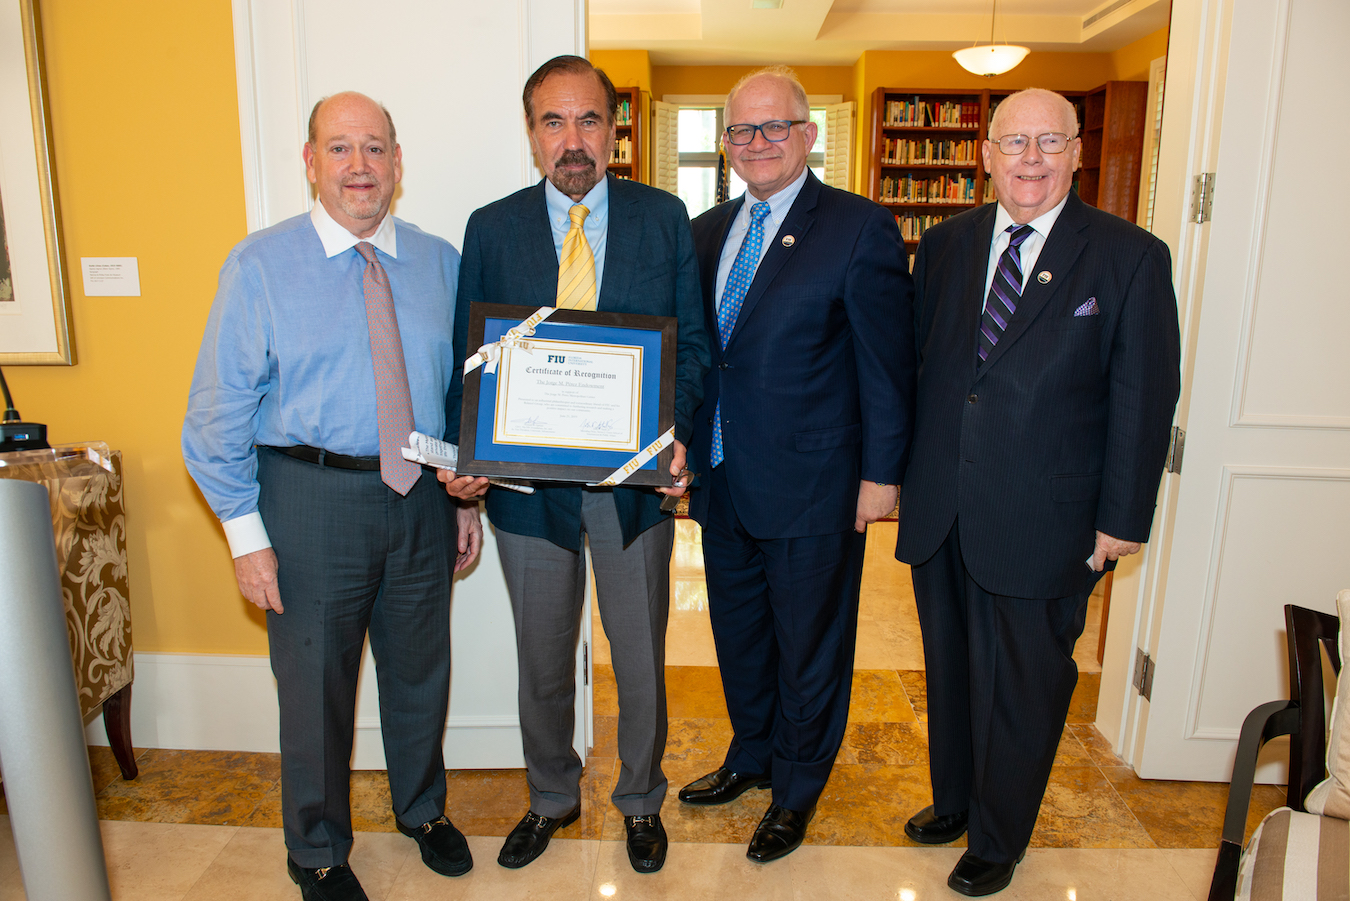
pixel 700 130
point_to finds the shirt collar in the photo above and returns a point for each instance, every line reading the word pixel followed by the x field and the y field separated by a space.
pixel 1041 224
pixel 596 200
pixel 337 239
pixel 779 203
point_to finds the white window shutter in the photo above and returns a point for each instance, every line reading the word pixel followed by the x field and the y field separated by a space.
pixel 838 143
pixel 666 146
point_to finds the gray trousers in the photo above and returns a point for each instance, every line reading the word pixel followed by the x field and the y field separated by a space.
pixel 547 585
pixel 355 557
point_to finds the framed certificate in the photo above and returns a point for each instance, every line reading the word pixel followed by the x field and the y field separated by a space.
pixel 580 398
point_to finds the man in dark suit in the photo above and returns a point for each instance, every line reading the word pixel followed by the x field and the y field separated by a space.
pixel 1049 359
pixel 802 434
pixel 575 238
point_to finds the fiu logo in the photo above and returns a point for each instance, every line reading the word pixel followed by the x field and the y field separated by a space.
pixel 557 358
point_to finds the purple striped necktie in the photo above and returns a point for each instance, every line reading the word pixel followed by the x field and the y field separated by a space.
pixel 393 400
pixel 1004 292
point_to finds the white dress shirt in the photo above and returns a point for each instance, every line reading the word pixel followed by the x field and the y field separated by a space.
pixel 1030 251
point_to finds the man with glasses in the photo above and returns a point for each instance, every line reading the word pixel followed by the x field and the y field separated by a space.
pixel 1048 341
pixel 802 437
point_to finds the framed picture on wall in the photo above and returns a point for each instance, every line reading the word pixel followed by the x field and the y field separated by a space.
pixel 34 304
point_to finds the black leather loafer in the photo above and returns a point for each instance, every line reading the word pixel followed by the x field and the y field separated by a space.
pixel 444 849
pixel 326 883
pixel 646 842
pixel 530 837
pixel 930 829
pixel 721 786
pixel 975 878
pixel 778 834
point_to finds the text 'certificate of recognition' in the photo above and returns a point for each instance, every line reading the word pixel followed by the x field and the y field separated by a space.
pixel 570 394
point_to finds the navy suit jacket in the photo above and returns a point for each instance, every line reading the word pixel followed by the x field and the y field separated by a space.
pixel 817 380
pixel 650 269
pixel 1063 431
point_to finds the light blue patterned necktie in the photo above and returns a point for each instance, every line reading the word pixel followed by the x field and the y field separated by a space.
pixel 733 295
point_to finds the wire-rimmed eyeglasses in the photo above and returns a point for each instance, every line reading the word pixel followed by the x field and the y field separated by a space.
pixel 774 130
pixel 1051 142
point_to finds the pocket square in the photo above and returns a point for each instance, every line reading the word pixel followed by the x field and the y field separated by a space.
pixel 1088 309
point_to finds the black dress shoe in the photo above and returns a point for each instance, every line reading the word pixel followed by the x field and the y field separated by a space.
pixel 721 786
pixel 443 846
pixel 326 883
pixel 778 834
pixel 974 877
pixel 530 837
pixel 930 829
pixel 646 842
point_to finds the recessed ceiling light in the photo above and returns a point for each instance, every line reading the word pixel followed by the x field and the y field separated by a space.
pixel 766 4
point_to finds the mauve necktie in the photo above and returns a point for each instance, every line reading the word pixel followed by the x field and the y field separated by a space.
pixel 733 295
pixel 1004 292
pixel 576 269
pixel 393 400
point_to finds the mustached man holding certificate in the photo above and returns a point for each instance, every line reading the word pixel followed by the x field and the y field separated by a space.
pixel 583 240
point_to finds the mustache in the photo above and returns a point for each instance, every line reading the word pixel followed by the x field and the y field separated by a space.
pixel 575 158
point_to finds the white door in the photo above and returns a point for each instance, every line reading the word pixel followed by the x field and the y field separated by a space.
pixel 1260 514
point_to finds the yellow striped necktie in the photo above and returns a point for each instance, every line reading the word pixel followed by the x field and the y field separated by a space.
pixel 576 270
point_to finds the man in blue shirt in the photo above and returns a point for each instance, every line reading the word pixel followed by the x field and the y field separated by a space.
pixel 328 342
pixel 583 240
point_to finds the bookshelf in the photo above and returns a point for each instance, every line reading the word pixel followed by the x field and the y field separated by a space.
pixel 1113 119
pixel 626 161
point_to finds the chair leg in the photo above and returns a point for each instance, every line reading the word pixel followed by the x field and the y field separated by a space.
pixel 117 720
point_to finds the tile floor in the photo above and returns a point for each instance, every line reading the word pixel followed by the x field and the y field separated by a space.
pixel 199 825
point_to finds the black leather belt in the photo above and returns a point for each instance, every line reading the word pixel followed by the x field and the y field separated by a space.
pixel 322 457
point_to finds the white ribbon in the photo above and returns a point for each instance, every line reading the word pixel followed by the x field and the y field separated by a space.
pixel 623 472
pixel 489 354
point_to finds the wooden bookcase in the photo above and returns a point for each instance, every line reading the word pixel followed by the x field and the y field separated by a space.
pixel 1111 120
pixel 626 161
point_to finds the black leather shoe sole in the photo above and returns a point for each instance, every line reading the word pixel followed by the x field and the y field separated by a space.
pixel 928 829
pixel 535 840
pixel 721 786
pixel 976 878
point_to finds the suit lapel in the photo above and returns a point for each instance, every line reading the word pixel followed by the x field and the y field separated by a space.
pixel 621 243
pixel 534 243
pixel 1057 257
pixel 799 219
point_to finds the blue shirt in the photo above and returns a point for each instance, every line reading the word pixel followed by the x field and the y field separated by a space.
pixel 596 226
pixel 286 355
pixel 779 204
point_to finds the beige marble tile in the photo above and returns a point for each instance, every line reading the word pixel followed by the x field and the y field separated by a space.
pixel 887 743
pixel 878 697
pixel 564 872
pixel 869 874
pixel 159 861
pixel 1081 809
pixel 1186 814
pixel 868 804
pixel 1195 867
pixel 689 637
pixel 693 870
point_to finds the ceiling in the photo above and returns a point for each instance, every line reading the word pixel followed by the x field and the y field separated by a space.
pixel 836 32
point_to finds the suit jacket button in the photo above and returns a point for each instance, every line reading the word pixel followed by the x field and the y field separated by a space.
pixel 721 365
pixel 709 420
pixel 972 399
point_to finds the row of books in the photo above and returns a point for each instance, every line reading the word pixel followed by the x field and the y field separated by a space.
pixel 936 189
pixel 913 225
pixel 623 151
pixel 625 113
pixel 918 113
pixel 928 152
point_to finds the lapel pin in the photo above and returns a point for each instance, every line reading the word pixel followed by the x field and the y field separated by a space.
pixel 788 240
pixel 1043 277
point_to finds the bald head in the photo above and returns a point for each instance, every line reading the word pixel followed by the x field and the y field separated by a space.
pixel 1054 104
pixel 350 95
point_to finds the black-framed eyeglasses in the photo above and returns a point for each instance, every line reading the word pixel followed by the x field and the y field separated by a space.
pixel 1051 142
pixel 774 130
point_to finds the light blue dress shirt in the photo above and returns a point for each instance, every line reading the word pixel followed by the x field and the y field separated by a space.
pixel 779 204
pixel 596 226
pixel 286 360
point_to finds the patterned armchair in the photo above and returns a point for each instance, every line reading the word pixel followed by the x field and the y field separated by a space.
pixel 84 484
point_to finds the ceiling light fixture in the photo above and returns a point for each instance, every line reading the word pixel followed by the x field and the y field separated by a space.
pixel 991 59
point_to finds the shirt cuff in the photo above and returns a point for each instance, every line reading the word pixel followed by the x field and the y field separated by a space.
pixel 246 534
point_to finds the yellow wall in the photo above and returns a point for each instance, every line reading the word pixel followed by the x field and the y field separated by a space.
pixel 719 79
pixel 626 68
pixel 1131 62
pixel 148 164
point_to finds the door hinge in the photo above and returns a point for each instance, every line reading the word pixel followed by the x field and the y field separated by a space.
pixel 1202 197
pixel 1175 448
pixel 585 663
pixel 1143 673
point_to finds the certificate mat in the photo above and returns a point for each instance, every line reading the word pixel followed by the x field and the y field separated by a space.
pixel 586 393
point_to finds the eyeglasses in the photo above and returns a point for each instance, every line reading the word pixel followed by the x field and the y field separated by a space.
pixel 774 130
pixel 1012 145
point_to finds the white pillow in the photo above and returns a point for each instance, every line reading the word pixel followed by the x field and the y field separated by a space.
pixel 1331 796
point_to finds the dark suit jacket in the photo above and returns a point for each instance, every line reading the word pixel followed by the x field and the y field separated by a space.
pixel 650 269
pixel 1063 431
pixel 817 381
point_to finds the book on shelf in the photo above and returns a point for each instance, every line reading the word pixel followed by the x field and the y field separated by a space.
pixel 919 113
pixel 625 113
pixel 908 188
pixel 927 152
pixel 623 152
pixel 913 225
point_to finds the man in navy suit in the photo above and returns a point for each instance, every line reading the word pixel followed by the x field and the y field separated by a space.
pixel 802 437
pixel 643 262
pixel 1049 372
